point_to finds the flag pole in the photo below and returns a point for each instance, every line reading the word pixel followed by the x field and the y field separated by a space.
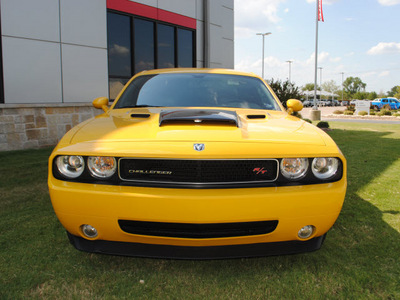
pixel 316 114
pixel 316 57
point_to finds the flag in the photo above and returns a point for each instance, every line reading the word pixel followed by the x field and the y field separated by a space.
pixel 320 12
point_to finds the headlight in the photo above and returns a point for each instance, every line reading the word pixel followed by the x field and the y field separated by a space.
pixel 324 167
pixel 70 166
pixel 102 166
pixel 294 168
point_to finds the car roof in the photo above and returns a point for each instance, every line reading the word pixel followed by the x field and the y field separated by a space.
pixel 196 70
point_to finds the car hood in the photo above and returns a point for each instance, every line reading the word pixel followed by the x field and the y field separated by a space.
pixel 197 125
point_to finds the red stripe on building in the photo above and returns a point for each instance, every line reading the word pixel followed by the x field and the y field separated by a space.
pixel 170 17
pixel 151 12
pixel 133 8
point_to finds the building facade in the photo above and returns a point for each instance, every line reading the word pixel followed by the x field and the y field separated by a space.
pixel 58 55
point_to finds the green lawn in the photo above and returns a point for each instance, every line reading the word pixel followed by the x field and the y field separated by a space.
pixel 360 258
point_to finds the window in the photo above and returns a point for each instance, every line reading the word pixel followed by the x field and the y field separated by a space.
pixel 144 45
pixel 136 44
pixel 185 48
pixel 165 46
pixel 119 52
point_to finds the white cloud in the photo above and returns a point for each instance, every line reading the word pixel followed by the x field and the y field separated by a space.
pixel 256 15
pixel 369 74
pixel 242 32
pixel 385 48
pixel 388 2
pixel 384 73
pixel 119 50
pixel 335 59
pixel 322 57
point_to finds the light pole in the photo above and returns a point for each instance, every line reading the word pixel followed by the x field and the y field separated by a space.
pixel 342 84
pixel 263 36
pixel 320 82
pixel 290 69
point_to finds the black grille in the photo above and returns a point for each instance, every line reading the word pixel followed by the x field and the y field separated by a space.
pixel 198 171
pixel 198 231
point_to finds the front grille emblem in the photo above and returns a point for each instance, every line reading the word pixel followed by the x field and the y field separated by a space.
pixel 259 171
pixel 198 147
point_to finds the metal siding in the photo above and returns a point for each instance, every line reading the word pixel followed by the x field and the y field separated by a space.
pixel 84 73
pixel 37 19
pixel 84 22
pixel 32 71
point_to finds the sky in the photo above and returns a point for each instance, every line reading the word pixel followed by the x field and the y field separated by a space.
pixel 358 37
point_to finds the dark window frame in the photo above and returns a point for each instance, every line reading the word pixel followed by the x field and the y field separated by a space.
pixel 155 38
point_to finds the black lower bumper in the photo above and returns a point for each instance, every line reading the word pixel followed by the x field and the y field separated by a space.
pixel 188 252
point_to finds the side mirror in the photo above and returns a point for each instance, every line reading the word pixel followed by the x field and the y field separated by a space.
pixel 294 105
pixel 101 103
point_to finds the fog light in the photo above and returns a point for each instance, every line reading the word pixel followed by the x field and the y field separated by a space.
pixel 306 232
pixel 89 231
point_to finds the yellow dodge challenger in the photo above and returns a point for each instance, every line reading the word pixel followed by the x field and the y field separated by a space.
pixel 197 164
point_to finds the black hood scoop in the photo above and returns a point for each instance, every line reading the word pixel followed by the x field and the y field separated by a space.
pixel 199 116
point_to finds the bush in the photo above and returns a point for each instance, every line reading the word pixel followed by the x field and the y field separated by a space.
pixel 396 114
pixel 323 124
pixel 372 113
pixel 308 120
pixel 348 112
pixel 338 112
pixel 387 113
pixel 384 112
pixel 362 113
pixel 296 114
pixel 351 107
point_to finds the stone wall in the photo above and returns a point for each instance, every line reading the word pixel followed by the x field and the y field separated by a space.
pixel 28 126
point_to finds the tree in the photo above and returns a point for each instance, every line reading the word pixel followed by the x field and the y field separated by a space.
pixel 395 90
pixel 397 94
pixel 353 85
pixel 360 95
pixel 310 87
pixel 372 96
pixel 285 90
pixel 331 87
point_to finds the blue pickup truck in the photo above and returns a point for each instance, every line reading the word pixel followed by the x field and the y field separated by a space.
pixel 379 103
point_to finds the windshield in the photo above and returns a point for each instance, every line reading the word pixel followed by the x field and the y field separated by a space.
pixel 197 90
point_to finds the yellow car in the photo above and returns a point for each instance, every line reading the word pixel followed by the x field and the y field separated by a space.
pixel 197 164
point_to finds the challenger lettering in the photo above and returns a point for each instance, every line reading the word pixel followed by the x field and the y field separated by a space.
pixel 156 172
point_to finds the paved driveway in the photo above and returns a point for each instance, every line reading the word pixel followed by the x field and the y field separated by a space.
pixel 327 115
pixel 325 111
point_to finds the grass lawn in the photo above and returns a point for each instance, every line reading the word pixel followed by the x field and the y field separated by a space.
pixel 360 258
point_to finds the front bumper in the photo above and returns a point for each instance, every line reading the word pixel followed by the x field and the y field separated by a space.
pixel 207 252
pixel 102 206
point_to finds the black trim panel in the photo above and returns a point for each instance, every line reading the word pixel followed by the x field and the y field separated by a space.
pixel 195 253
pixel 198 231
pixel 277 182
